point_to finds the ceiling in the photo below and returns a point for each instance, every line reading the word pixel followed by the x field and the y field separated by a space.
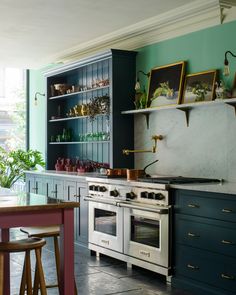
pixel 36 33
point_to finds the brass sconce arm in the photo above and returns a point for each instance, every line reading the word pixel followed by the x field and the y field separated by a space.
pixel 152 150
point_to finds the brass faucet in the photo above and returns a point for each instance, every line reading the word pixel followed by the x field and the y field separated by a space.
pixel 152 150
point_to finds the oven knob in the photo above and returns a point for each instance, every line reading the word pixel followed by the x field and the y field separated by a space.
pixel 96 188
pixel 159 196
pixel 102 189
pixel 130 195
pixel 114 193
pixel 151 195
pixel 144 194
pixel 92 187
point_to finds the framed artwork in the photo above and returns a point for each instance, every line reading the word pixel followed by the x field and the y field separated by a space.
pixel 199 87
pixel 165 84
pixel 234 87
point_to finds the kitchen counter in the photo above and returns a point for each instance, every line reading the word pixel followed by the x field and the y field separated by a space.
pixel 223 187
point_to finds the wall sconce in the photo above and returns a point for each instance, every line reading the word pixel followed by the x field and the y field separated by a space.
pixel 36 98
pixel 226 63
pixel 137 85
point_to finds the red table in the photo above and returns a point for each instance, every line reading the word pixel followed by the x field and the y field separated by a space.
pixel 26 209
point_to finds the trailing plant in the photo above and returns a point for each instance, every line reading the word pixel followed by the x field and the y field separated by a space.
pixel 13 165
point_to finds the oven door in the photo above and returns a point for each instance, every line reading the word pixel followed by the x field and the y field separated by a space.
pixel 106 225
pixel 146 234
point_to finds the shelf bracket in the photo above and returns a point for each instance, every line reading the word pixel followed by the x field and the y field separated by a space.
pixel 147 119
pixel 187 112
pixel 232 105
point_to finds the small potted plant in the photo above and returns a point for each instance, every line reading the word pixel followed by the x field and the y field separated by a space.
pixel 13 165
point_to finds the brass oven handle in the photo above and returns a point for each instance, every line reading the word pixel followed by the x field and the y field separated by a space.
pixel 193 206
pixel 225 210
pixel 227 242
pixel 193 267
pixel 193 235
pixel 227 277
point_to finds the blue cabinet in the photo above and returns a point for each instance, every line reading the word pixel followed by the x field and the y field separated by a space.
pixel 84 104
pixel 204 242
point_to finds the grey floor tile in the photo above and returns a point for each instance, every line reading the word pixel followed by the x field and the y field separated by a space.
pixel 104 276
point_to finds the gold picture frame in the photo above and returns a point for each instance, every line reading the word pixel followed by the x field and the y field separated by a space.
pixel 199 87
pixel 166 84
pixel 234 87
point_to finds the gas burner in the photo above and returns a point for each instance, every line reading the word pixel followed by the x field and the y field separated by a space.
pixel 178 180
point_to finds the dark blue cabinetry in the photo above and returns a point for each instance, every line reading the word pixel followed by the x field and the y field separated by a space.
pixel 75 133
pixel 204 242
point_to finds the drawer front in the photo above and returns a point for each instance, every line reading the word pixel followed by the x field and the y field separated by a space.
pixel 211 269
pixel 219 237
pixel 188 202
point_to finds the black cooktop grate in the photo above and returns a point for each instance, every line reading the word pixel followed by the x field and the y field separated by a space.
pixel 177 180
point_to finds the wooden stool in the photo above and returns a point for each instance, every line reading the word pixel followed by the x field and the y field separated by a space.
pixel 25 245
pixel 47 232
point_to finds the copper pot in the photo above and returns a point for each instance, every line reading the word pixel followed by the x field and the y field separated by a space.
pixel 134 174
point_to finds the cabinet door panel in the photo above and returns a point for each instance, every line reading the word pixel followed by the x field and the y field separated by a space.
pixel 191 203
pixel 40 184
pixel 30 184
pixel 218 237
pixel 203 266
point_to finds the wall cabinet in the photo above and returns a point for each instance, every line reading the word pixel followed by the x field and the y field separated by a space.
pixel 205 242
pixel 66 189
pixel 74 133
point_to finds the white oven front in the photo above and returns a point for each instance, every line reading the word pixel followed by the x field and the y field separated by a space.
pixel 106 225
pixel 146 234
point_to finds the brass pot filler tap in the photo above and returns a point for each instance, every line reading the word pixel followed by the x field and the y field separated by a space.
pixel 152 150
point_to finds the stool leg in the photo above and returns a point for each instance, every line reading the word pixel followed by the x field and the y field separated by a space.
pixel 1 273
pixel 28 273
pixel 23 279
pixel 36 277
pixel 57 258
pixel 40 272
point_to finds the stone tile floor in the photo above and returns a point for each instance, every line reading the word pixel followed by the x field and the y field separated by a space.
pixel 106 276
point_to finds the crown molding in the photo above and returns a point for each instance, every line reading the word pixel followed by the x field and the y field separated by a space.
pixel 191 17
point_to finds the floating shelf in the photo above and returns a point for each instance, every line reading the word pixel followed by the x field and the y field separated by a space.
pixel 78 92
pixel 80 142
pixel 186 108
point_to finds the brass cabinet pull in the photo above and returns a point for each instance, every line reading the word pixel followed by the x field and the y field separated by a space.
pixel 225 210
pixel 193 235
pixel 227 242
pixel 193 206
pixel 227 277
pixel 193 267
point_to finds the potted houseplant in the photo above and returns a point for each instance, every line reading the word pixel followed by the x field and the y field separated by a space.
pixel 13 165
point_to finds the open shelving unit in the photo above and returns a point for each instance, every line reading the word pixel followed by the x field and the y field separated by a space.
pixel 186 108
pixel 116 69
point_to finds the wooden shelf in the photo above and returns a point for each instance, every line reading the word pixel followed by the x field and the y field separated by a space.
pixel 79 142
pixel 75 118
pixel 186 108
pixel 78 92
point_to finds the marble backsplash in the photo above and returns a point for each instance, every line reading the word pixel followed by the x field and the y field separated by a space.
pixel 207 148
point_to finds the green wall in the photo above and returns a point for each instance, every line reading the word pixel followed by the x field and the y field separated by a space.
pixel 203 50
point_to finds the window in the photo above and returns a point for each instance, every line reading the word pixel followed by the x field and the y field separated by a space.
pixel 12 108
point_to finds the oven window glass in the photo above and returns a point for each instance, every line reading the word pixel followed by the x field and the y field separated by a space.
pixel 145 231
pixel 105 221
